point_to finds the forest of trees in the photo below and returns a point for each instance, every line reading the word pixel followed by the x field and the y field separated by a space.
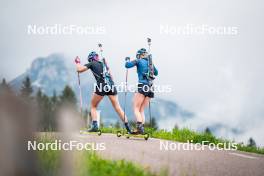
pixel 47 106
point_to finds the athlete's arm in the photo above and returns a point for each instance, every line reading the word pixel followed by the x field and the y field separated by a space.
pixel 107 67
pixel 81 68
pixel 130 64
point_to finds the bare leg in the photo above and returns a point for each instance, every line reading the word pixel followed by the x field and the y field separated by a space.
pixel 117 107
pixel 143 105
pixel 138 100
pixel 94 103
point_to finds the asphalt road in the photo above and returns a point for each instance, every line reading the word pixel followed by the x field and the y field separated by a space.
pixel 178 162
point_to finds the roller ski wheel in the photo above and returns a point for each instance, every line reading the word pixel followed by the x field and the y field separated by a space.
pixel 146 136
pixel 119 134
pixel 127 136
pixel 99 132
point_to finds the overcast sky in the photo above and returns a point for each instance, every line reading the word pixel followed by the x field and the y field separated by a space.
pixel 219 77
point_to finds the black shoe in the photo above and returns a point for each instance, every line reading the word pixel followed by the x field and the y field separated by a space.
pixel 128 128
pixel 140 128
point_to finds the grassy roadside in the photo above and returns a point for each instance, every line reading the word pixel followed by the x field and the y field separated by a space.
pixel 185 135
pixel 257 150
pixel 87 163
pixel 90 162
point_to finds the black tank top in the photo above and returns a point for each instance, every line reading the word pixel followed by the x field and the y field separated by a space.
pixel 97 70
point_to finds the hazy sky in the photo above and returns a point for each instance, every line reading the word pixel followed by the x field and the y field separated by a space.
pixel 219 77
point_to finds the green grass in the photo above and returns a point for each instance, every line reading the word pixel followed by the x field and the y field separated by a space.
pixel 88 163
pixel 184 135
pixel 244 148
pixel 110 130
pixel 48 159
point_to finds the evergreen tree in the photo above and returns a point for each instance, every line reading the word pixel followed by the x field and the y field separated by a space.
pixel 54 98
pixel 207 130
pixel 86 115
pixel 101 122
pixel 3 84
pixel 46 112
pixel 54 102
pixel 4 87
pixel 68 96
pixel 153 124
pixel 39 96
pixel 26 89
pixel 117 124
pixel 47 116
pixel 251 142
pixel 176 126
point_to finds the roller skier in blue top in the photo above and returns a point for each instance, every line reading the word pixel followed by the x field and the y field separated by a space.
pixel 146 72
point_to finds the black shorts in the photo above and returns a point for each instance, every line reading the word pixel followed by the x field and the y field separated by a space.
pixel 105 91
pixel 146 90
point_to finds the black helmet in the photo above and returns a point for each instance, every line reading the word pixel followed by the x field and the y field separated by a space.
pixel 140 52
pixel 92 56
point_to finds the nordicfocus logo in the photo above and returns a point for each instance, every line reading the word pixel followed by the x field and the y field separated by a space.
pixel 203 29
pixel 175 146
pixel 59 29
pixel 67 146
pixel 122 87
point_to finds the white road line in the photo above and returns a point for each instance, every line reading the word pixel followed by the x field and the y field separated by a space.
pixel 243 156
pixel 155 139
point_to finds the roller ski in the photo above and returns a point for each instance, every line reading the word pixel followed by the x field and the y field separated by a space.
pixel 138 133
pixel 132 134
pixel 98 132
pixel 124 131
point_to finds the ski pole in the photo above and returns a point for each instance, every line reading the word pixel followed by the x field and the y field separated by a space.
pixel 78 61
pixel 105 69
pixel 127 58
pixel 80 90
pixel 149 43
pixel 101 50
pixel 150 118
